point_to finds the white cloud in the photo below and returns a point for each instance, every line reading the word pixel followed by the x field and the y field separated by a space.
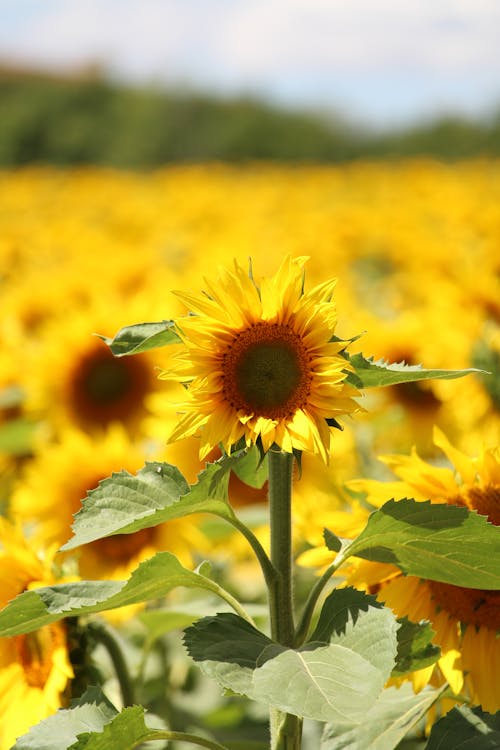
pixel 276 46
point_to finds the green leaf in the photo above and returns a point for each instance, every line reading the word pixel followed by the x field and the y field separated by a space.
pixel 141 338
pixel 124 503
pixel 124 732
pixel 415 647
pixel 339 608
pixel 338 681
pixel 252 469
pixel 386 723
pixel 369 373
pixel 92 711
pixel 214 638
pixel 446 543
pixel 152 579
pixel 466 729
pixel 332 541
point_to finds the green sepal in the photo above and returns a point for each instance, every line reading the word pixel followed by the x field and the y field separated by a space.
pixel 252 468
pixel 332 541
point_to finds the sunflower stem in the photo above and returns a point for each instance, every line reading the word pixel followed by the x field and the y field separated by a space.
pixel 267 568
pixel 286 729
pixel 104 635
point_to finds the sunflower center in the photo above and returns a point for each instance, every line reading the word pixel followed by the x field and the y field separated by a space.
pixel 35 652
pixel 473 606
pixel 470 606
pixel 267 371
pixel 120 548
pixel 486 500
pixel 103 389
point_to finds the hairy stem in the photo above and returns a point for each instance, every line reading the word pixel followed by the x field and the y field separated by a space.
pixel 286 729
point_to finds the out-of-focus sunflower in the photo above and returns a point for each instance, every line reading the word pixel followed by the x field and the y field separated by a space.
pixel 54 483
pixel 71 376
pixel 261 364
pixel 466 621
pixel 35 667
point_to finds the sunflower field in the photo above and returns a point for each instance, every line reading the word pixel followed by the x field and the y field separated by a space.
pixel 147 467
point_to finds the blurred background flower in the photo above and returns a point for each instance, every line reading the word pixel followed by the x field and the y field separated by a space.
pixel 142 144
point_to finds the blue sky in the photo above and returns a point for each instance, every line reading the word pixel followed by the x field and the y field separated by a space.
pixel 382 61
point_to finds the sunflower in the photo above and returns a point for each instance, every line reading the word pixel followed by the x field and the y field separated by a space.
pixel 35 667
pixel 261 364
pixel 71 376
pixel 53 484
pixel 466 621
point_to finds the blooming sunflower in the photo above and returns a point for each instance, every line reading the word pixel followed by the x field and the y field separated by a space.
pixel 34 668
pixel 261 364
pixel 466 621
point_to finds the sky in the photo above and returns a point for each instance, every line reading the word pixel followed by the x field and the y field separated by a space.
pixel 381 62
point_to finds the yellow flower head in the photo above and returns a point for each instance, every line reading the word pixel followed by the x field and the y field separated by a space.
pixel 261 364
pixel 35 667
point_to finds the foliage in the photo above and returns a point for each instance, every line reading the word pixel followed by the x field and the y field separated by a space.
pixel 338 630
pixel 90 120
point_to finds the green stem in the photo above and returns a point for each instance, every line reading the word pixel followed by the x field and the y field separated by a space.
pixel 160 734
pixel 234 603
pixel 265 563
pixel 280 514
pixel 286 729
pixel 105 635
pixel 308 611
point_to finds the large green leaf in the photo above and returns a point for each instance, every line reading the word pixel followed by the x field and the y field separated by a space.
pixel 142 337
pixel 446 543
pixel 91 712
pixel 339 608
pixel 124 503
pixel 342 606
pixel 152 579
pixel 336 681
pixel 386 723
pixel 369 373
pixel 464 728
